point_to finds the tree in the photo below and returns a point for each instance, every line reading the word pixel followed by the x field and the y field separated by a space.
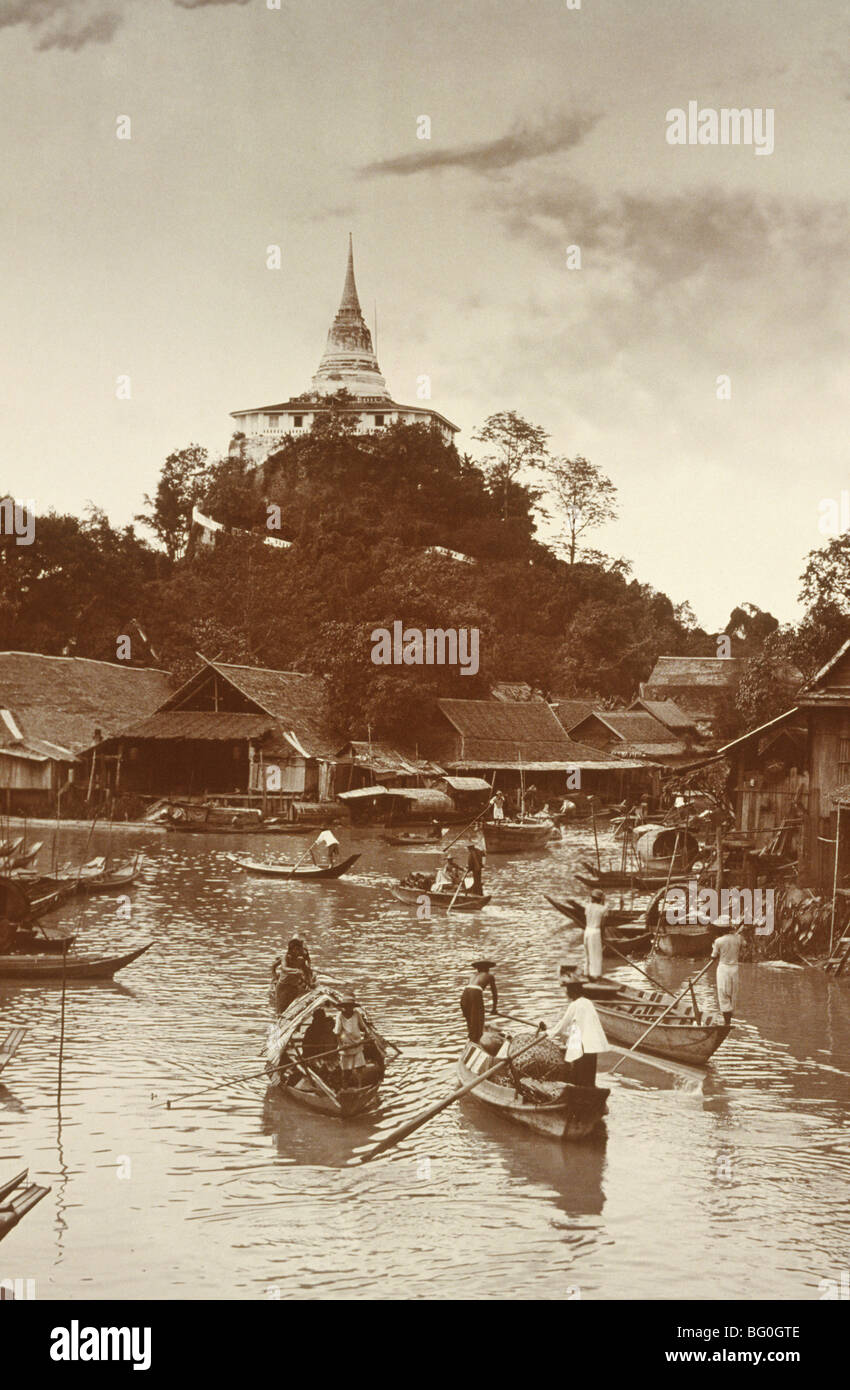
pixel 826 578
pixel 584 497
pixel 184 478
pixel 516 445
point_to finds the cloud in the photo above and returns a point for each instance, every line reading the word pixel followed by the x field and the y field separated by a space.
pixel 525 142
pixel 73 24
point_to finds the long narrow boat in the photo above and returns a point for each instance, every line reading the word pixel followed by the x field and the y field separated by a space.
pixel 311 874
pixel 410 839
pixel 678 1037
pixel 693 941
pixel 320 1089
pixel 509 836
pixel 562 1111
pixel 462 902
pixel 51 967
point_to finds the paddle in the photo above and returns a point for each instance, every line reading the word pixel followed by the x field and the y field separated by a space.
pixel 252 1076
pixel 425 1115
pixel 454 895
pixel 645 1034
pixel 459 836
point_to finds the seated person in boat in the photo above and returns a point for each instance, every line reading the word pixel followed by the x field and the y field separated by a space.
pixel 328 846
pixel 582 1033
pixel 474 866
pixel 298 958
pixel 319 1045
pixel 447 877
pixel 472 999
pixel 351 1033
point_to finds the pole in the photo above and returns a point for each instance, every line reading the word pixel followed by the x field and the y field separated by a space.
pixel 595 836
pixel 62 1024
pixel 835 877
pixel 629 961
pixel 425 1115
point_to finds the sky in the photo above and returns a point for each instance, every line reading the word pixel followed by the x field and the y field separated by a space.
pixel 253 126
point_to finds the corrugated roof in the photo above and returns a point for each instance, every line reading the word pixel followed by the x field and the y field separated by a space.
pixel 207 725
pixel 62 700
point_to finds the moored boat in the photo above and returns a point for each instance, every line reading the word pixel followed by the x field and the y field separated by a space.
pixel 507 836
pixel 626 931
pixel 317 1083
pixel 311 873
pixel 50 966
pixel 554 1108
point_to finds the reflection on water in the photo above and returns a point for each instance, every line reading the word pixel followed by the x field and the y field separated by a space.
pixel 732 1188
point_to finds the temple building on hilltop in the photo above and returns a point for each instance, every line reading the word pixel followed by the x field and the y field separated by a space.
pixel 349 363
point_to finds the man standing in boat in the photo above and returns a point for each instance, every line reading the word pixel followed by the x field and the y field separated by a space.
pixel 327 842
pixel 595 913
pixel 472 999
pixel 497 805
pixel 582 1033
pixel 726 950
pixel 474 866
pixel 351 1034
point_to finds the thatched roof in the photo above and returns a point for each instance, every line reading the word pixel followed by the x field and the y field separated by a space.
pixel 688 671
pixel 571 712
pixel 59 702
pixel 668 713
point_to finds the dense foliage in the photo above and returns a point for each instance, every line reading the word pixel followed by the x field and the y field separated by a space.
pixel 368 519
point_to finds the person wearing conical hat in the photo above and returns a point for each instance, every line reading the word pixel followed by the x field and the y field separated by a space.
pixel 472 999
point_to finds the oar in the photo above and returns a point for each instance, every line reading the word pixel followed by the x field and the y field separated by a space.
pixel 307 851
pixel 454 895
pixel 645 1034
pixel 252 1076
pixel 425 1115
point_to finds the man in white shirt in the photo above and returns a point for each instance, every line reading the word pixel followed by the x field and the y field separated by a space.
pixel 327 842
pixel 583 1034
pixel 726 950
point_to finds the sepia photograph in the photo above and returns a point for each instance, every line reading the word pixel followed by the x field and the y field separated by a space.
pixel 425 668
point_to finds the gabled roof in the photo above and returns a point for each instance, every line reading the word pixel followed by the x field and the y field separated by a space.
pixel 667 712
pixel 204 725
pixel 59 701
pixel 832 681
pixel 298 703
pixel 571 712
pixel 686 671
pixel 635 726
pixel 525 733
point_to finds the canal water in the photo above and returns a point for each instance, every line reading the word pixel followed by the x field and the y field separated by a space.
pixel 735 1189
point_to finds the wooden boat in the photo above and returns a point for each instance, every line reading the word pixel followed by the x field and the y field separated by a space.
pixel 311 873
pixel 693 941
pixel 572 1112
pixel 49 966
pixel 678 1037
pixel 10 1045
pixel 93 877
pixel 291 1075
pixel 463 902
pixel 404 840
pixel 510 836
pixel 616 878
pixel 9 848
pixel 14 1207
pixel 23 858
